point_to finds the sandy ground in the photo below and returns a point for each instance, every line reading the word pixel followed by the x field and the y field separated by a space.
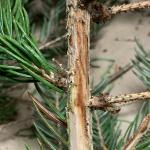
pixel 116 42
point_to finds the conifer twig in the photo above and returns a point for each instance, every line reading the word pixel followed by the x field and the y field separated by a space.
pixel 119 73
pixel 59 79
pixel 122 99
pixel 141 131
pixel 48 114
pixel 49 44
pixel 130 7
pixel 110 103
pixel 103 13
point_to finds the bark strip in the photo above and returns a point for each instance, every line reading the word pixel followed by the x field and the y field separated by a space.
pixel 79 116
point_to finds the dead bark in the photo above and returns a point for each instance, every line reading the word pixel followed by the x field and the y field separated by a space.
pixel 79 116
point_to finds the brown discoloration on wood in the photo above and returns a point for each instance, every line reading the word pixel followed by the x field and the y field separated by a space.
pixel 78 115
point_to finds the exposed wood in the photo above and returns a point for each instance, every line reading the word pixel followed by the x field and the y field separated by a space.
pixel 79 116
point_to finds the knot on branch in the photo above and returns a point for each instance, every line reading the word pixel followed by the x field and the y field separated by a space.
pixel 84 3
pixel 102 102
pixel 102 13
pixel 99 13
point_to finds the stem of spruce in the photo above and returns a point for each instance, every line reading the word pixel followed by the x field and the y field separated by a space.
pixel 79 116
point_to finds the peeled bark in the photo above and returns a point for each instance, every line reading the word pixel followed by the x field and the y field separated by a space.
pixel 79 116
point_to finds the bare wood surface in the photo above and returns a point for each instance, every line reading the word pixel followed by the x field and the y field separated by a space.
pixel 79 116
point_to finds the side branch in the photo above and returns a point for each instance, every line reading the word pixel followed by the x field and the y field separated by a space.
pixel 53 42
pixel 101 13
pixel 59 79
pixel 141 131
pixel 122 99
pixel 130 7
pixel 110 103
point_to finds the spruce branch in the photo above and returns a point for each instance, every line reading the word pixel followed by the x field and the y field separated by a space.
pixel 141 131
pixel 47 113
pixel 110 103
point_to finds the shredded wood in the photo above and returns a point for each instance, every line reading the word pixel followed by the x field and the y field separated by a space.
pixel 141 131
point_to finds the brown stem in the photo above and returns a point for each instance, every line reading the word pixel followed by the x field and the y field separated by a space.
pixel 130 7
pixel 107 103
pixel 79 116
pixel 118 74
pixel 129 98
pixel 101 13
pixel 51 43
pixel 59 79
pixel 47 113
pixel 142 130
